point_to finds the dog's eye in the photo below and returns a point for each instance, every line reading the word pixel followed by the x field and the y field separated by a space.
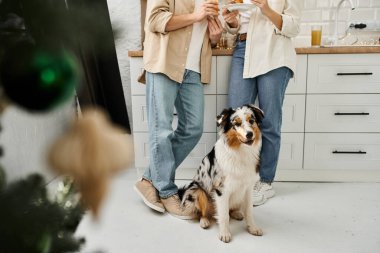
pixel 237 124
pixel 251 121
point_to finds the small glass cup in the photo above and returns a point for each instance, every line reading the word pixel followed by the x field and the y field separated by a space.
pixel 223 41
pixel 316 35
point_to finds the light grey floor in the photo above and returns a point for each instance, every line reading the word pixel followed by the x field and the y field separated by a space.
pixel 302 217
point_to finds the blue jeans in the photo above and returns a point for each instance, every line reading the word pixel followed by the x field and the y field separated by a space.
pixel 168 147
pixel 270 90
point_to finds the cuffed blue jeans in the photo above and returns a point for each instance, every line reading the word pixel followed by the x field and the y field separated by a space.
pixel 270 90
pixel 168 147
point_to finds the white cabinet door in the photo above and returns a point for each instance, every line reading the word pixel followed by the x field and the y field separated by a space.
pixel 291 152
pixel 343 113
pixel 342 151
pixel 204 146
pixel 346 73
pixel 140 118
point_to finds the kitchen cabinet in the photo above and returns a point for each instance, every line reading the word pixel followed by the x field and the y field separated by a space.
pixel 331 118
pixel 342 124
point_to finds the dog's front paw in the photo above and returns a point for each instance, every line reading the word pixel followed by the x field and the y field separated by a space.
pixel 225 236
pixel 255 230
pixel 204 223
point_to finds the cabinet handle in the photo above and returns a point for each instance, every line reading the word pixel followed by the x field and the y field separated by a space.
pixel 355 74
pixel 351 113
pixel 350 152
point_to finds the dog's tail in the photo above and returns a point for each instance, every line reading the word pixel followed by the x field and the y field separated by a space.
pixel 193 196
pixel 185 192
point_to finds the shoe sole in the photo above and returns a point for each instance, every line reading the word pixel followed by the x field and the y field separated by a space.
pixel 152 206
pixel 261 202
pixel 181 217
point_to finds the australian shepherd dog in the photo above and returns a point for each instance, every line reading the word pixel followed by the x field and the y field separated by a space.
pixel 223 185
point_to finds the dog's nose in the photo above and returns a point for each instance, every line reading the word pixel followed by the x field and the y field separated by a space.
pixel 249 135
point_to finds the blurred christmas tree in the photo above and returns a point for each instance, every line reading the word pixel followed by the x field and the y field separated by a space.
pixel 30 222
pixel 39 41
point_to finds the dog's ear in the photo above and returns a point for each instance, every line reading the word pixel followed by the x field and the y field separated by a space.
pixel 221 119
pixel 259 114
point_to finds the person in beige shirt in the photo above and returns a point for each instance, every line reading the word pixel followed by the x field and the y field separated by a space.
pixel 177 59
pixel 263 61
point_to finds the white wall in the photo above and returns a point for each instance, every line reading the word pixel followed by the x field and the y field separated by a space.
pixel 320 12
pixel 125 17
pixel 26 138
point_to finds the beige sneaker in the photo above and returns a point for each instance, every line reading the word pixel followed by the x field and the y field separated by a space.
pixel 149 195
pixel 173 206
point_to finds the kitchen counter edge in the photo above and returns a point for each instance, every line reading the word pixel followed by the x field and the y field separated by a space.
pixel 299 50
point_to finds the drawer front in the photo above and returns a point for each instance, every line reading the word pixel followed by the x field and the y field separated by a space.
pixel 210 89
pixel 140 117
pixel 293 113
pixel 291 152
pixel 358 73
pixel 297 85
pixel 343 113
pixel 221 103
pixel 223 65
pixel 137 68
pixel 141 143
pixel 342 151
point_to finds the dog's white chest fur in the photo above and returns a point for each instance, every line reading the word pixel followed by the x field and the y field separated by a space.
pixel 237 167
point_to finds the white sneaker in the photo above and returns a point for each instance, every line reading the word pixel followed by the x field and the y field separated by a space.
pixel 258 198
pixel 262 192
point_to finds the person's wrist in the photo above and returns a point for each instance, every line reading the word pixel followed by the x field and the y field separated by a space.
pixel 195 17
pixel 267 12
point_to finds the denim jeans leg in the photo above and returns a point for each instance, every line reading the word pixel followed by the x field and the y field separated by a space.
pixel 161 93
pixel 241 90
pixel 271 92
pixel 190 109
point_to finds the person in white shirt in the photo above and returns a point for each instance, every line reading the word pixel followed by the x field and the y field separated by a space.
pixel 263 61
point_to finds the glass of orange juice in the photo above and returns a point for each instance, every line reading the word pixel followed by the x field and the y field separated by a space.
pixel 316 35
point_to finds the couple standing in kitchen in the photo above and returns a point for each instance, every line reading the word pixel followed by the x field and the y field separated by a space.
pixel 179 37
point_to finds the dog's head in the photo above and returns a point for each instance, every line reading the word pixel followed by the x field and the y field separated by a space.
pixel 241 125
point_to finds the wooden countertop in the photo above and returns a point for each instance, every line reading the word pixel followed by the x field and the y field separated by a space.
pixel 299 50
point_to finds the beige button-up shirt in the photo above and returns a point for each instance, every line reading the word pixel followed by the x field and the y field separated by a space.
pixel 268 48
pixel 166 52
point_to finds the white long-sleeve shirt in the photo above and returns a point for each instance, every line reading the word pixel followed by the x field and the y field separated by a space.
pixel 267 47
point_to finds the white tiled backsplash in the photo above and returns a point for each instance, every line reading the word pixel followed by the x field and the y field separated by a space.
pixel 322 12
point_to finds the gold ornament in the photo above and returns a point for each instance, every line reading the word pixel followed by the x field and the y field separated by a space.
pixel 91 152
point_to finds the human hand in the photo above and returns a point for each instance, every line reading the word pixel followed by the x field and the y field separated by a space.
pixel 215 30
pixel 263 5
pixel 231 17
pixel 208 8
